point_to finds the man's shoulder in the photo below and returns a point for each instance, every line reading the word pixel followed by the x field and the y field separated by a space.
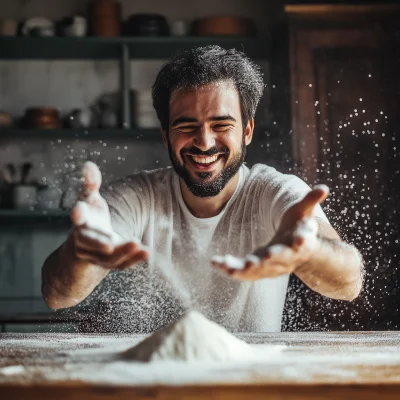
pixel 269 178
pixel 266 174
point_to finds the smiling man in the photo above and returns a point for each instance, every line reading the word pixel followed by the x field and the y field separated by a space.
pixel 226 236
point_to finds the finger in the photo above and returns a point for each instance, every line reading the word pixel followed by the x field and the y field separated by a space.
pixel 109 261
pixel 270 262
pixel 257 273
pixel 223 268
pixel 254 261
pixel 323 190
pixel 228 262
pixel 91 257
pixel 78 214
pixel 91 179
pixel 123 252
pixel 269 269
pixel 280 254
pixel 94 241
pixel 316 196
pixel 231 265
pixel 305 233
pixel 142 255
pixel 91 216
pixel 84 213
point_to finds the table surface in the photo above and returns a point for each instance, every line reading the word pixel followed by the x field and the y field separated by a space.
pixel 291 366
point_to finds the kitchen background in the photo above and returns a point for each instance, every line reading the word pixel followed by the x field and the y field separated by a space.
pixel 27 238
pixel 81 79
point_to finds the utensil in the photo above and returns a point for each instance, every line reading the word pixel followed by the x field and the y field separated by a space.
pixel 12 173
pixel 7 175
pixel 25 170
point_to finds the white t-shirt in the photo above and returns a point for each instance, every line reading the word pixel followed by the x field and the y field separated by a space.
pixel 149 206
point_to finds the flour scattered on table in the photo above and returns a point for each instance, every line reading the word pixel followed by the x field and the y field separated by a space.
pixel 12 370
pixel 192 338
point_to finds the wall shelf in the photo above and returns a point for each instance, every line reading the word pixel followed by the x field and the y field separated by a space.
pixel 24 216
pixel 94 48
pixel 122 49
pixel 145 135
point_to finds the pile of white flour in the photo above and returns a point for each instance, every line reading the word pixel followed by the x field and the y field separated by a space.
pixel 191 338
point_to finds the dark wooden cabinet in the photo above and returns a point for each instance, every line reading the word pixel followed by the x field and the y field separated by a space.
pixel 345 90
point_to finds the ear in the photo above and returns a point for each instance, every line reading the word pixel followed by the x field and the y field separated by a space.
pixel 248 133
pixel 164 137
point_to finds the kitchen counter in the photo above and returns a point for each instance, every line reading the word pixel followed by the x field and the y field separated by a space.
pixel 298 366
pixel 35 317
pixel 38 322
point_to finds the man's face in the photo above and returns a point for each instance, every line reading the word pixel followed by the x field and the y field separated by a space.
pixel 206 139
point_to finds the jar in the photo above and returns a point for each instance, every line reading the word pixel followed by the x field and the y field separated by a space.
pixel 105 18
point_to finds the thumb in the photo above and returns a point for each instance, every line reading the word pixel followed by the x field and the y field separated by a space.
pixel 79 213
pixel 94 218
pixel 91 179
pixel 317 195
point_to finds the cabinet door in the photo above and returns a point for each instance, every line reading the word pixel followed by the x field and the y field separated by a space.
pixel 345 130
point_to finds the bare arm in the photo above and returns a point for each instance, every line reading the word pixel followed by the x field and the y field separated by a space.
pixel 66 280
pixel 308 247
pixel 92 249
pixel 335 268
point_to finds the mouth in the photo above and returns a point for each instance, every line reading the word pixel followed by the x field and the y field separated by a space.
pixel 204 163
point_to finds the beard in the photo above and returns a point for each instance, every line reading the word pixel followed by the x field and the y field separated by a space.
pixel 204 186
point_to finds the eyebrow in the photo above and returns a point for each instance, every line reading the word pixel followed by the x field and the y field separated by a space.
pixel 183 120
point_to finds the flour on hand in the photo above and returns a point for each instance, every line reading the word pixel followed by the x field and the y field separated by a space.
pixel 233 262
pixel 98 225
pixel 307 228
pixel 191 338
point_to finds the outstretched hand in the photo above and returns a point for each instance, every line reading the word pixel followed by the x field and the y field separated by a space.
pixel 92 238
pixel 293 244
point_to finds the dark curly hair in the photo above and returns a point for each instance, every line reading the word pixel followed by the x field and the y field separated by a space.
pixel 204 65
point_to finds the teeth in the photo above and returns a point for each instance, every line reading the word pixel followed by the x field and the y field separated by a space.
pixel 205 160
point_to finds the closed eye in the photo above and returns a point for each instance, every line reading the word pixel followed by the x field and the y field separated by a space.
pixel 186 128
pixel 222 127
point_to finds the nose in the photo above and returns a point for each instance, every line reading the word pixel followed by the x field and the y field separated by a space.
pixel 204 139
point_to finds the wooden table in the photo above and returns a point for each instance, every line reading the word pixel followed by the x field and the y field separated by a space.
pixel 308 366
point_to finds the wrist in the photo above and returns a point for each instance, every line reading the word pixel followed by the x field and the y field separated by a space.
pixel 72 271
pixel 309 254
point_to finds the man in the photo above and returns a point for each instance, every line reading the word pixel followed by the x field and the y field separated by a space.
pixel 208 206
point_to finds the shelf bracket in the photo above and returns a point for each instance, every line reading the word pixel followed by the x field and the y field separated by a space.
pixel 125 74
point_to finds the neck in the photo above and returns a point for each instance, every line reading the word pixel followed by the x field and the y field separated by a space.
pixel 208 207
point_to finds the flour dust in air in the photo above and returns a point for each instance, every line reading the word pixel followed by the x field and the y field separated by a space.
pixel 191 338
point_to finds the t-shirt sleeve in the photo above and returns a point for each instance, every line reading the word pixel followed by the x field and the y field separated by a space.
pixel 281 196
pixel 126 205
